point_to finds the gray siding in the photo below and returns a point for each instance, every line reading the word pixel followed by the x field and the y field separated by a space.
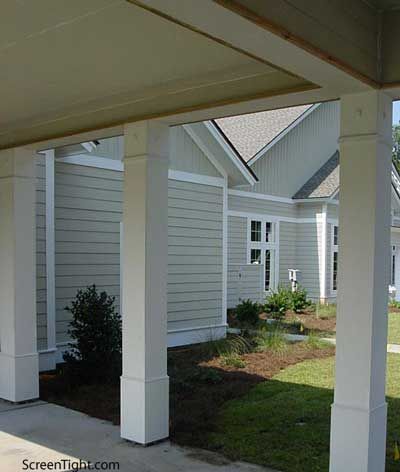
pixel 285 168
pixel 88 210
pixel 41 252
pixel 244 280
pixel 333 212
pixel 194 255
pixel 287 250
pixel 186 156
pixel 307 257
pixel 263 207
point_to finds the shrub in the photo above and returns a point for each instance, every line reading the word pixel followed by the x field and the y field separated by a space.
pixel 247 313
pixel 231 345
pixel 272 338
pixel 298 300
pixel 233 360
pixel 394 304
pixel 278 303
pixel 96 334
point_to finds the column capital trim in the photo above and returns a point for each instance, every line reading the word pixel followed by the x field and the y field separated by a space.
pixel 367 137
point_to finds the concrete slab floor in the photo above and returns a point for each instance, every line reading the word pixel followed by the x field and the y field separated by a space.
pixel 41 431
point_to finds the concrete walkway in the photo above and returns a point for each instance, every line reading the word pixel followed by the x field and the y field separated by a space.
pixel 46 432
pixel 392 348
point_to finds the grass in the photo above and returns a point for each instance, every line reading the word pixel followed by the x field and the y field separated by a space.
pixel 284 423
pixel 394 328
pixel 272 339
pixel 326 311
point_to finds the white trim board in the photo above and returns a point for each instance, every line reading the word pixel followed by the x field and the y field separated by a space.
pixel 48 358
pixel 196 178
pixel 272 218
pixel 230 153
pixel 88 160
pixel 261 196
pixel 282 134
pixel 50 251
pixel 275 198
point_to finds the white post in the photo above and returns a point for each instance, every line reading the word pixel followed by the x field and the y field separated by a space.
pixel 19 366
pixel 50 261
pixel 144 383
pixel 358 427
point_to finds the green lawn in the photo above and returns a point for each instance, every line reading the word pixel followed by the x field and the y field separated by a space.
pixel 285 422
pixel 394 329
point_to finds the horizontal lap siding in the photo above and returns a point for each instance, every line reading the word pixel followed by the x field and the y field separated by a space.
pixel 244 281
pixel 259 206
pixel 307 256
pixel 194 255
pixel 88 211
pixel 41 252
pixel 287 250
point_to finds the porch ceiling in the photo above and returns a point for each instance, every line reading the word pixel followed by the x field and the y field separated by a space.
pixel 67 67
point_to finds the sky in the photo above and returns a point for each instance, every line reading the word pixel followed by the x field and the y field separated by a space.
pixel 396 112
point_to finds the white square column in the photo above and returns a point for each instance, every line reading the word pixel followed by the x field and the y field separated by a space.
pixel 358 425
pixel 19 367
pixel 144 382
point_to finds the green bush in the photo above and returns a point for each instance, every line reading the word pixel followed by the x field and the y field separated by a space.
pixel 278 303
pixel 95 354
pixel 247 313
pixel 298 300
pixel 394 304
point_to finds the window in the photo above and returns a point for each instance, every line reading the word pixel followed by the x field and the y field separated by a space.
pixel 335 235
pixel 256 231
pixel 262 250
pixel 255 257
pixel 334 272
pixel 335 248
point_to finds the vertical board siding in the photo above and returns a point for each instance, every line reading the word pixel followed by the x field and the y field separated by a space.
pixel 194 255
pixel 285 168
pixel 41 252
pixel 186 156
pixel 88 211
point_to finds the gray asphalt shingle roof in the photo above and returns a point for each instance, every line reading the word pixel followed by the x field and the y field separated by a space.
pixel 250 133
pixel 324 183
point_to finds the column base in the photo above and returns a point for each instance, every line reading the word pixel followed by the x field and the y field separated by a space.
pixel 19 377
pixel 358 439
pixel 144 409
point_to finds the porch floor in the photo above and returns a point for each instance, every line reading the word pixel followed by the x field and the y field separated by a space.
pixel 45 432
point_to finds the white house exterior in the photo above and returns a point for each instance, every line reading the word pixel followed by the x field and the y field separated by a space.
pixel 234 228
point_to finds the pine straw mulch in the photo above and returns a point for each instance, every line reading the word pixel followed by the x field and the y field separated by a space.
pixel 199 387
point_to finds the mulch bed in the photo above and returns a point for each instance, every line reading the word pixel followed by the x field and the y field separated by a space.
pixel 311 322
pixel 199 387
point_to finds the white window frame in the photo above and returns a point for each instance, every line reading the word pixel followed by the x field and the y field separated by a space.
pixel 272 246
pixel 334 248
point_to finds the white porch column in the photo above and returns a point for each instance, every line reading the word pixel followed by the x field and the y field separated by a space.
pixel 358 427
pixel 19 371
pixel 144 383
